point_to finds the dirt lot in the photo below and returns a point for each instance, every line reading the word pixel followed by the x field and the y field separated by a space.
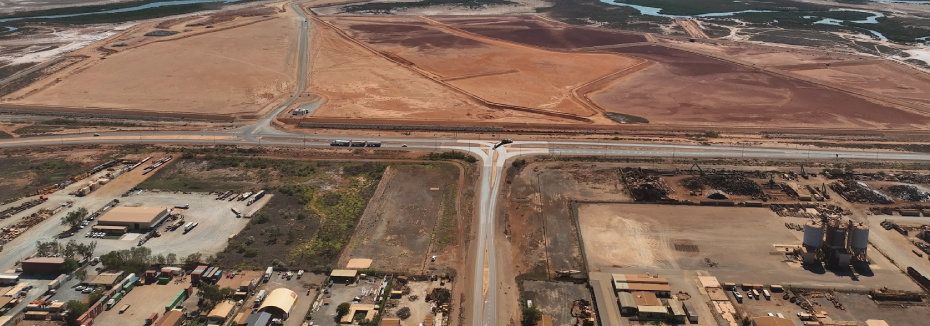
pixel 415 300
pixel 409 220
pixel 487 68
pixel 229 71
pixel 860 308
pixel 555 298
pixel 907 83
pixel 540 33
pixel 655 229
pixel 540 218
pixel 215 221
pixel 709 91
pixel 143 301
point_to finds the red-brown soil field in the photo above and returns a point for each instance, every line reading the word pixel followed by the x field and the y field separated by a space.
pixel 540 33
pixel 686 88
pixel 487 68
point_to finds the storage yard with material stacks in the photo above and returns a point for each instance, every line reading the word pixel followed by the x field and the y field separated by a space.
pixel 780 243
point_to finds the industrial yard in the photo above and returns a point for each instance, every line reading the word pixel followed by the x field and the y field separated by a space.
pixel 789 229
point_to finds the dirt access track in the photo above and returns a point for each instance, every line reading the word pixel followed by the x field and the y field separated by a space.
pixel 234 63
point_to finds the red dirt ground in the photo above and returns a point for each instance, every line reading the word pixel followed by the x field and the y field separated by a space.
pixel 542 33
pixel 487 68
pixel 692 89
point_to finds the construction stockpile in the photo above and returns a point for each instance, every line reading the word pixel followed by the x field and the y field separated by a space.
pixel 645 185
pixel 909 193
pixel 9 233
pixel 809 210
pixel 858 192
pixel 6 213
pixel 734 185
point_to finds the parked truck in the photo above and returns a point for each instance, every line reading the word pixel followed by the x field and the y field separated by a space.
pixel 260 297
pixel 268 273
pixel 258 195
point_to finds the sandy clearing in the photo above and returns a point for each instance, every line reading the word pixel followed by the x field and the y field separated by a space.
pixel 239 70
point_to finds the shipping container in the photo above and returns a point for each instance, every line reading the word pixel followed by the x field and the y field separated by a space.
pixel 151 319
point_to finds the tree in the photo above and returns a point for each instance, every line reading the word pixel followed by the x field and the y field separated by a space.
pixel 74 218
pixel 171 258
pixel 213 294
pixel 95 296
pixel 69 266
pixel 342 309
pixel 210 293
pixel 81 274
pixel 531 316
pixel 73 310
pixel 192 260
pixel 441 296
pixel 48 249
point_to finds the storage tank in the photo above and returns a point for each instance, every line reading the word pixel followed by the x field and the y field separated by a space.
pixel 838 237
pixel 859 239
pixel 813 234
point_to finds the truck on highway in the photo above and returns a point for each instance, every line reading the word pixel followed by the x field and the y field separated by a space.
pixel 372 144
pixel 343 143
pixel 503 142
pixel 357 143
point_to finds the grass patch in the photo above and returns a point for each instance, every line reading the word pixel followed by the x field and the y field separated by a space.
pixel 25 175
pixel 313 211
pixel 445 233
pixel 386 7
pixel 5 135
pixel 61 124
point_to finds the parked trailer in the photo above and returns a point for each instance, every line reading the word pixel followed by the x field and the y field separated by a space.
pixel 189 227
pixel 343 143
pixel 236 211
pixel 246 196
